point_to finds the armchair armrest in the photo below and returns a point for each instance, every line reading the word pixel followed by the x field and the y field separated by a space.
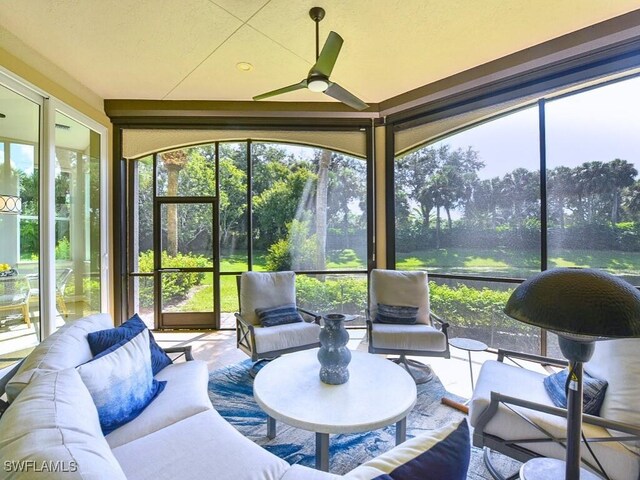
pixel 245 324
pixel 184 350
pixel 497 398
pixel 443 324
pixel 315 318
pixel 502 354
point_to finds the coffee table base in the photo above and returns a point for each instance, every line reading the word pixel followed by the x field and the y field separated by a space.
pixel 322 441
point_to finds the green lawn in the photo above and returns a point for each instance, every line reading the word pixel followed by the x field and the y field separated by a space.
pixel 499 262
pixel 516 263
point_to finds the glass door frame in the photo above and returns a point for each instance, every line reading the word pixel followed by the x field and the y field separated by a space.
pixel 49 105
pixel 190 320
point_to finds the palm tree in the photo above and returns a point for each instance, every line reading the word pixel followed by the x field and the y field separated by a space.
pixel 322 188
pixel 173 162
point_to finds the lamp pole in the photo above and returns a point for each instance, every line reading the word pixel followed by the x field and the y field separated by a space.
pixel 577 352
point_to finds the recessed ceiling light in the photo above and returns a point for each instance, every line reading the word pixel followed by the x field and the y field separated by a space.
pixel 244 66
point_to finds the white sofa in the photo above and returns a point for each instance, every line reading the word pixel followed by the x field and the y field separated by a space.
pixel 51 426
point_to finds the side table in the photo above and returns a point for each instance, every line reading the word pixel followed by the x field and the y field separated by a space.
pixel 469 345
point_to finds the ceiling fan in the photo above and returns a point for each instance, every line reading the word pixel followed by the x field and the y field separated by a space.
pixel 318 78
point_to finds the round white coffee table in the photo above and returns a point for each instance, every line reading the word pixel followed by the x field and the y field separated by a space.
pixel 378 393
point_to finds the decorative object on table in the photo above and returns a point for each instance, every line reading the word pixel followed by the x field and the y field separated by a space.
pixel 231 393
pixel 581 306
pixel 7 271
pixel 10 204
pixel 395 291
pixel 333 355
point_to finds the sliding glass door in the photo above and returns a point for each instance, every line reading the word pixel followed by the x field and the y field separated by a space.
pixel 53 252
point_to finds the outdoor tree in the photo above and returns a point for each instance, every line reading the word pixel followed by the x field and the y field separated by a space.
pixel 174 162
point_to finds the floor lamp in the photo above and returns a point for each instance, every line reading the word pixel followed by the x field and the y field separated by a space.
pixel 581 306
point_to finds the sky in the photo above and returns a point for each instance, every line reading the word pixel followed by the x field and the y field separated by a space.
pixel 597 125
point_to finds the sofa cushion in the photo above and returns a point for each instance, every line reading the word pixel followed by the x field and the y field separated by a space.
pixel 438 454
pixel 120 381
pixel 396 287
pixel 300 472
pixel 518 382
pixel 66 348
pixel 185 395
pixel 290 335
pixel 263 290
pixel 103 339
pixel 210 448
pixel 55 423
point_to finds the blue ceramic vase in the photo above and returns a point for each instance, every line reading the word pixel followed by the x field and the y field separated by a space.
pixel 333 355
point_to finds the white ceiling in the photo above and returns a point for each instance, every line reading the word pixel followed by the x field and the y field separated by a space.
pixel 188 49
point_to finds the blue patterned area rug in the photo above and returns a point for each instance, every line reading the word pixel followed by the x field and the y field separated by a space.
pixel 231 393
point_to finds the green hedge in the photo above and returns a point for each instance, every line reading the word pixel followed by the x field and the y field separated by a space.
pixel 334 294
pixel 462 306
pixel 176 286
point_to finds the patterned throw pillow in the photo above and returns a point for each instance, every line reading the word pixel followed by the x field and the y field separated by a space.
pixel 120 381
pixel 593 390
pixel 443 454
pixel 102 340
pixel 398 314
pixel 280 315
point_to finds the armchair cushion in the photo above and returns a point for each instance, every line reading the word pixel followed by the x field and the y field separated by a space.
pixel 444 454
pixel 396 287
pixel 289 335
pixel 408 337
pixel 616 361
pixel 397 314
pixel 264 290
pixel 593 391
pixel 280 315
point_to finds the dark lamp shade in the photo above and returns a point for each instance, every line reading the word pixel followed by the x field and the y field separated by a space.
pixel 579 302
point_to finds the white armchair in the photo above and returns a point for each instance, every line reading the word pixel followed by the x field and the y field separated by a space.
pixel 427 337
pixel 512 413
pixel 265 290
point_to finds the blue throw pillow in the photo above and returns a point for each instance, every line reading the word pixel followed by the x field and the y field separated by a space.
pixel 398 314
pixel 593 390
pixel 443 454
pixel 103 339
pixel 121 382
pixel 280 315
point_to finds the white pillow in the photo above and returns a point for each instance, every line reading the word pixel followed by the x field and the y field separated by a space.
pixel 264 290
pixel 66 348
pixel 54 424
pixel 120 381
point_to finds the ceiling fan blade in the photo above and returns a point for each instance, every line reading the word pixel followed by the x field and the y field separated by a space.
pixel 280 91
pixel 339 93
pixel 328 55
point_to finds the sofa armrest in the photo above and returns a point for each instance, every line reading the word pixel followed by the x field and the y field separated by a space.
pixel 510 354
pixel 185 350
pixel 7 375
